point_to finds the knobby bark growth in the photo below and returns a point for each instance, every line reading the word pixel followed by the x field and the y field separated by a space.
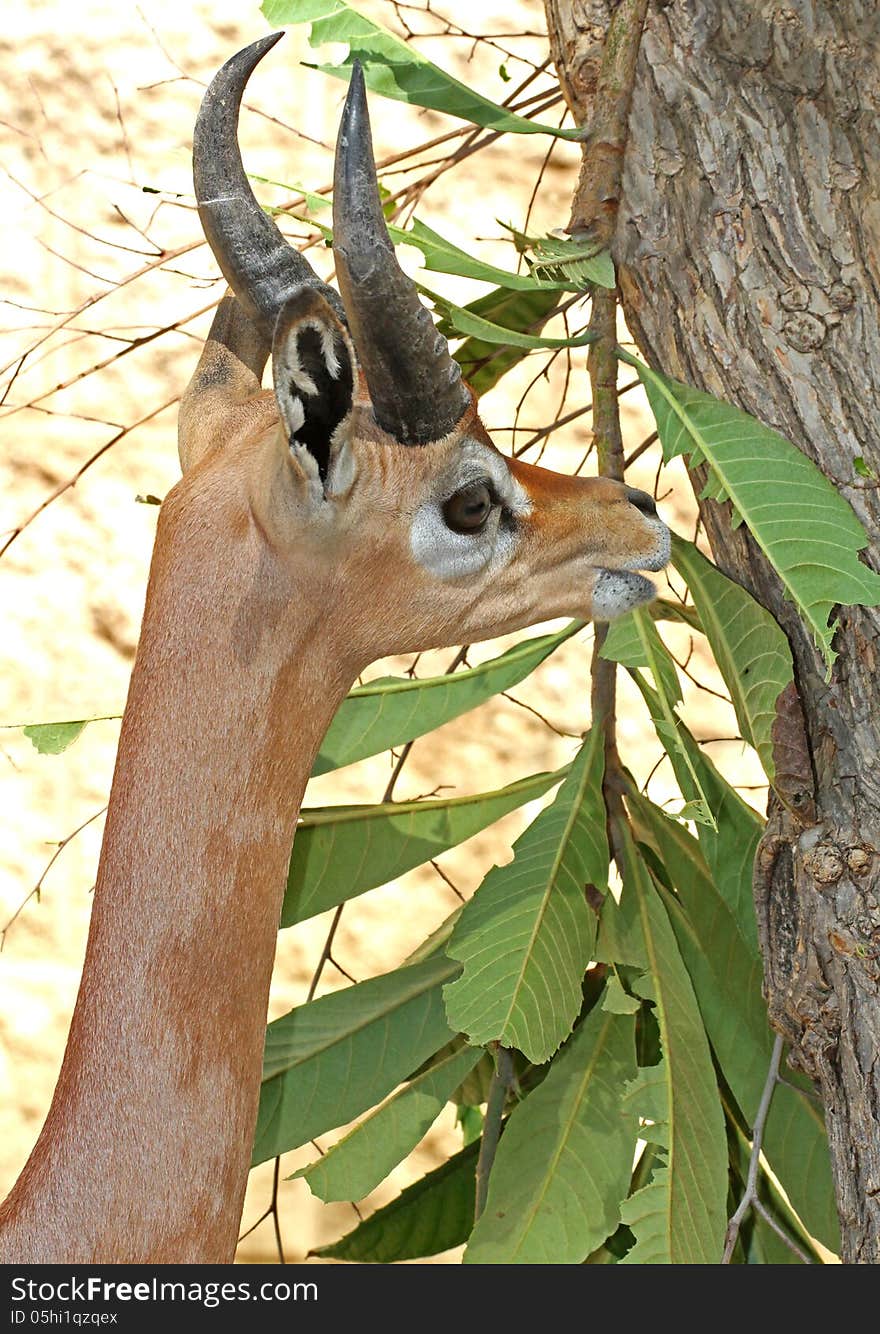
pixel 748 250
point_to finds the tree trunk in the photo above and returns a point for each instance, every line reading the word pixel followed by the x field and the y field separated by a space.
pixel 748 251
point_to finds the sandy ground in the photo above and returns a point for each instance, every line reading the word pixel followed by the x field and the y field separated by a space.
pixel 98 105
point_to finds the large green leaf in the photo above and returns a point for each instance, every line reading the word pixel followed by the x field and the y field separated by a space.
pixel 432 1215
pixel 680 1217
pixel 750 649
pixel 565 1158
pixel 718 942
pixel 441 256
pixel 356 1165
pixel 624 643
pixel 342 851
pixel 332 1059
pixel 394 709
pixel 636 642
pixel 805 528
pixel 483 364
pixel 730 840
pixel 527 935
pixel 730 844
pixel 466 320
pixel 395 68
pixel 624 638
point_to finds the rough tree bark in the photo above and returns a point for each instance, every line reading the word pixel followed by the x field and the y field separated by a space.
pixel 748 251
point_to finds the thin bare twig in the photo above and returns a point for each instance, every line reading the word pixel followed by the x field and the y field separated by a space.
pixel 270 1212
pixel 445 878
pixel 521 704
pixel 569 417
pixel 72 481
pixel 750 1198
pixel 35 892
pixel 154 263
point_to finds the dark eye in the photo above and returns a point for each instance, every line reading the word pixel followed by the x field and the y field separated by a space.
pixel 468 510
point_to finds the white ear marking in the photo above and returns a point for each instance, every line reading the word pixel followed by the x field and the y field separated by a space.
pixel 300 377
pixel 343 466
pixel 310 468
pixel 295 417
pixel 328 348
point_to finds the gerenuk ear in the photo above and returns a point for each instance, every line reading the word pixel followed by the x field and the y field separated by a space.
pixel 314 371
pixel 228 374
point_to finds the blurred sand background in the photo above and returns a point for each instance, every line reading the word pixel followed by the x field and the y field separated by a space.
pixel 98 106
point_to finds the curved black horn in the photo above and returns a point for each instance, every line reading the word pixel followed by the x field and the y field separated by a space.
pixel 260 266
pixel 414 384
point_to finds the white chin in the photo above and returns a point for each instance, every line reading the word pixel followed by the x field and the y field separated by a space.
pixel 619 591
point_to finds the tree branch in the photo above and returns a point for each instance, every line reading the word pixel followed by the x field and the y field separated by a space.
pixel 502 1082
pixel 604 116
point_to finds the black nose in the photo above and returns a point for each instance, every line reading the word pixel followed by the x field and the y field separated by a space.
pixel 641 500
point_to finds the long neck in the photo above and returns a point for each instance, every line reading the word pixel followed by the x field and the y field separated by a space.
pixel 145 1151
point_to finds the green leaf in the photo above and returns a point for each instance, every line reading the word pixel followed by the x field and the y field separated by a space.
pixel 680 1217
pixel 483 364
pixel 640 643
pixel 649 1213
pixel 661 609
pixel 574 262
pixel 750 649
pixel 442 256
pixel 565 1158
pixel 805 528
pixel 730 845
pixel 527 935
pixel 342 851
pixel 617 1001
pixel 430 1216
pixel 393 710
pixel 330 1060
pixel 625 643
pixel 314 203
pixel 470 1119
pixel 463 320
pixel 668 695
pixel 359 1162
pixel 649 1093
pixel 396 69
pixel 53 738
pixel 718 941
pixel 436 940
